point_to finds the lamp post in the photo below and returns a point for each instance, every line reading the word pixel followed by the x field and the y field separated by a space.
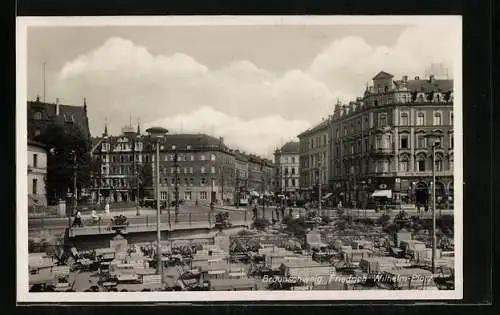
pixel 319 188
pixel 176 168
pixel 75 197
pixel 158 133
pixel 434 142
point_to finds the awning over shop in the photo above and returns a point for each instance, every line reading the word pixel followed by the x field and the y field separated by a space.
pixel 254 193
pixel 382 193
pixel 327 196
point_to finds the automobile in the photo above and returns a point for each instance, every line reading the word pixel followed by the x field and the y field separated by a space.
pixel 151 203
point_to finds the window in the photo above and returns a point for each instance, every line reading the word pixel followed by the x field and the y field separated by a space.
pixel 387 142
pixel 378 142
pixel 203 195
pixel 451 163
pixel 437 119
pixel 293 160
pixel 185 170
pixel 212 157
pixel 163 195
pixel 192 158
pixel 37 132
pixel 345 131
pixel 404 142
pixel 203 182
pixel 403 166
pixel 451 118
pixel 203 157
pixel 382 119
pixel 421 165
pixel 293 170
pixel 404 119
pixel 172 182
pixel 420 119
pixel 451 141
pixel 366 144
pixel 293 182
pixel 337 132
pixel 37 116
pixel 34 187
pixel 439 165
pixel 212 170
pixel 187 195
pixel 352 148
pixel 385 166
pixel 202 170
pixel 421 142
pixel 35 160
pixel 190 170
pixel 188 147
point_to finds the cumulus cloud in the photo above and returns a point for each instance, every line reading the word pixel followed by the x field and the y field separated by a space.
pixel 255 135
pixel 249 106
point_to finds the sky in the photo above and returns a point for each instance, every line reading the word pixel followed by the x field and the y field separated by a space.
pixel 255 86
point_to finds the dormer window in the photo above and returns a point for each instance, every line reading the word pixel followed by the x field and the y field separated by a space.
pixel 188 147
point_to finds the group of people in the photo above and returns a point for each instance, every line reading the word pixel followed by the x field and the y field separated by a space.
pixel 77 216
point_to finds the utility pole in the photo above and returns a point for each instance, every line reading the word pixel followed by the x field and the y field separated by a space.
pixel 433 208
pixel 262 188
pixel 75 197
pixel 176 166
pixel 237 189
pixel 221 170
pixel 319 188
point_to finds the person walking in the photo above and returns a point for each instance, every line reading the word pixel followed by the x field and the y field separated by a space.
pixel 106 208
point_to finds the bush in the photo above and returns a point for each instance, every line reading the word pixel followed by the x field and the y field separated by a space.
pixel 391 228
pixel 445 223
pixel 260 224
pixel 364 221
pixel 326 219
pixel 383 219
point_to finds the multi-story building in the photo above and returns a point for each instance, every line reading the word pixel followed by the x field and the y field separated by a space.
pixel 253 173
pixel 42 114
pixel 287 170
pixel 380 141
pixel 37 172
pixel 199 167
pixel 314 159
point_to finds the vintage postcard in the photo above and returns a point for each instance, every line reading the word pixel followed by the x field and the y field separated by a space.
pixel 286 158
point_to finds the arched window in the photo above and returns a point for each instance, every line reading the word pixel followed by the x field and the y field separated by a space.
pixel 202 169
pixel 420 119
pixel 437 119
pixel 212 157
pixel 37 116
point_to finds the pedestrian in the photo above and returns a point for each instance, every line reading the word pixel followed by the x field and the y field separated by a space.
pixel 196 202
pixel 106 208
pixel 78 219
pixel 283 211
pixel 254 210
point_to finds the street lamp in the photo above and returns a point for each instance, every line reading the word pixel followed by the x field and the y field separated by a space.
pixel 158 133
pixel 435 142
pixel 176 167
pixel 319 188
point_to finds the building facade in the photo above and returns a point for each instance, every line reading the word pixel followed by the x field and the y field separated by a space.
pixel 381 141
pixel 200 168
pixel 314 159
pixel 42 114
pixel 37 172
pixel 287 170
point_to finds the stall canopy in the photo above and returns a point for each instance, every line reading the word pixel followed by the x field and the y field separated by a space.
pixel 327 196
pixel 382 193
pixel 254 193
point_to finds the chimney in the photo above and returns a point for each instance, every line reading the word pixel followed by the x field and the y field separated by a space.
pixel 57 106
pixel 431 78
pixel 38 98
pixel 405 78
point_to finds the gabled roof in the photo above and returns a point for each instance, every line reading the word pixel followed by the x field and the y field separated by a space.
pixel 383 75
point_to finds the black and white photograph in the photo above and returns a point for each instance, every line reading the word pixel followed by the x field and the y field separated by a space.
pixel 160 156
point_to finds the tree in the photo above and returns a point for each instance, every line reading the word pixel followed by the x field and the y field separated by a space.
pixel 145 174
pixel 64 141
